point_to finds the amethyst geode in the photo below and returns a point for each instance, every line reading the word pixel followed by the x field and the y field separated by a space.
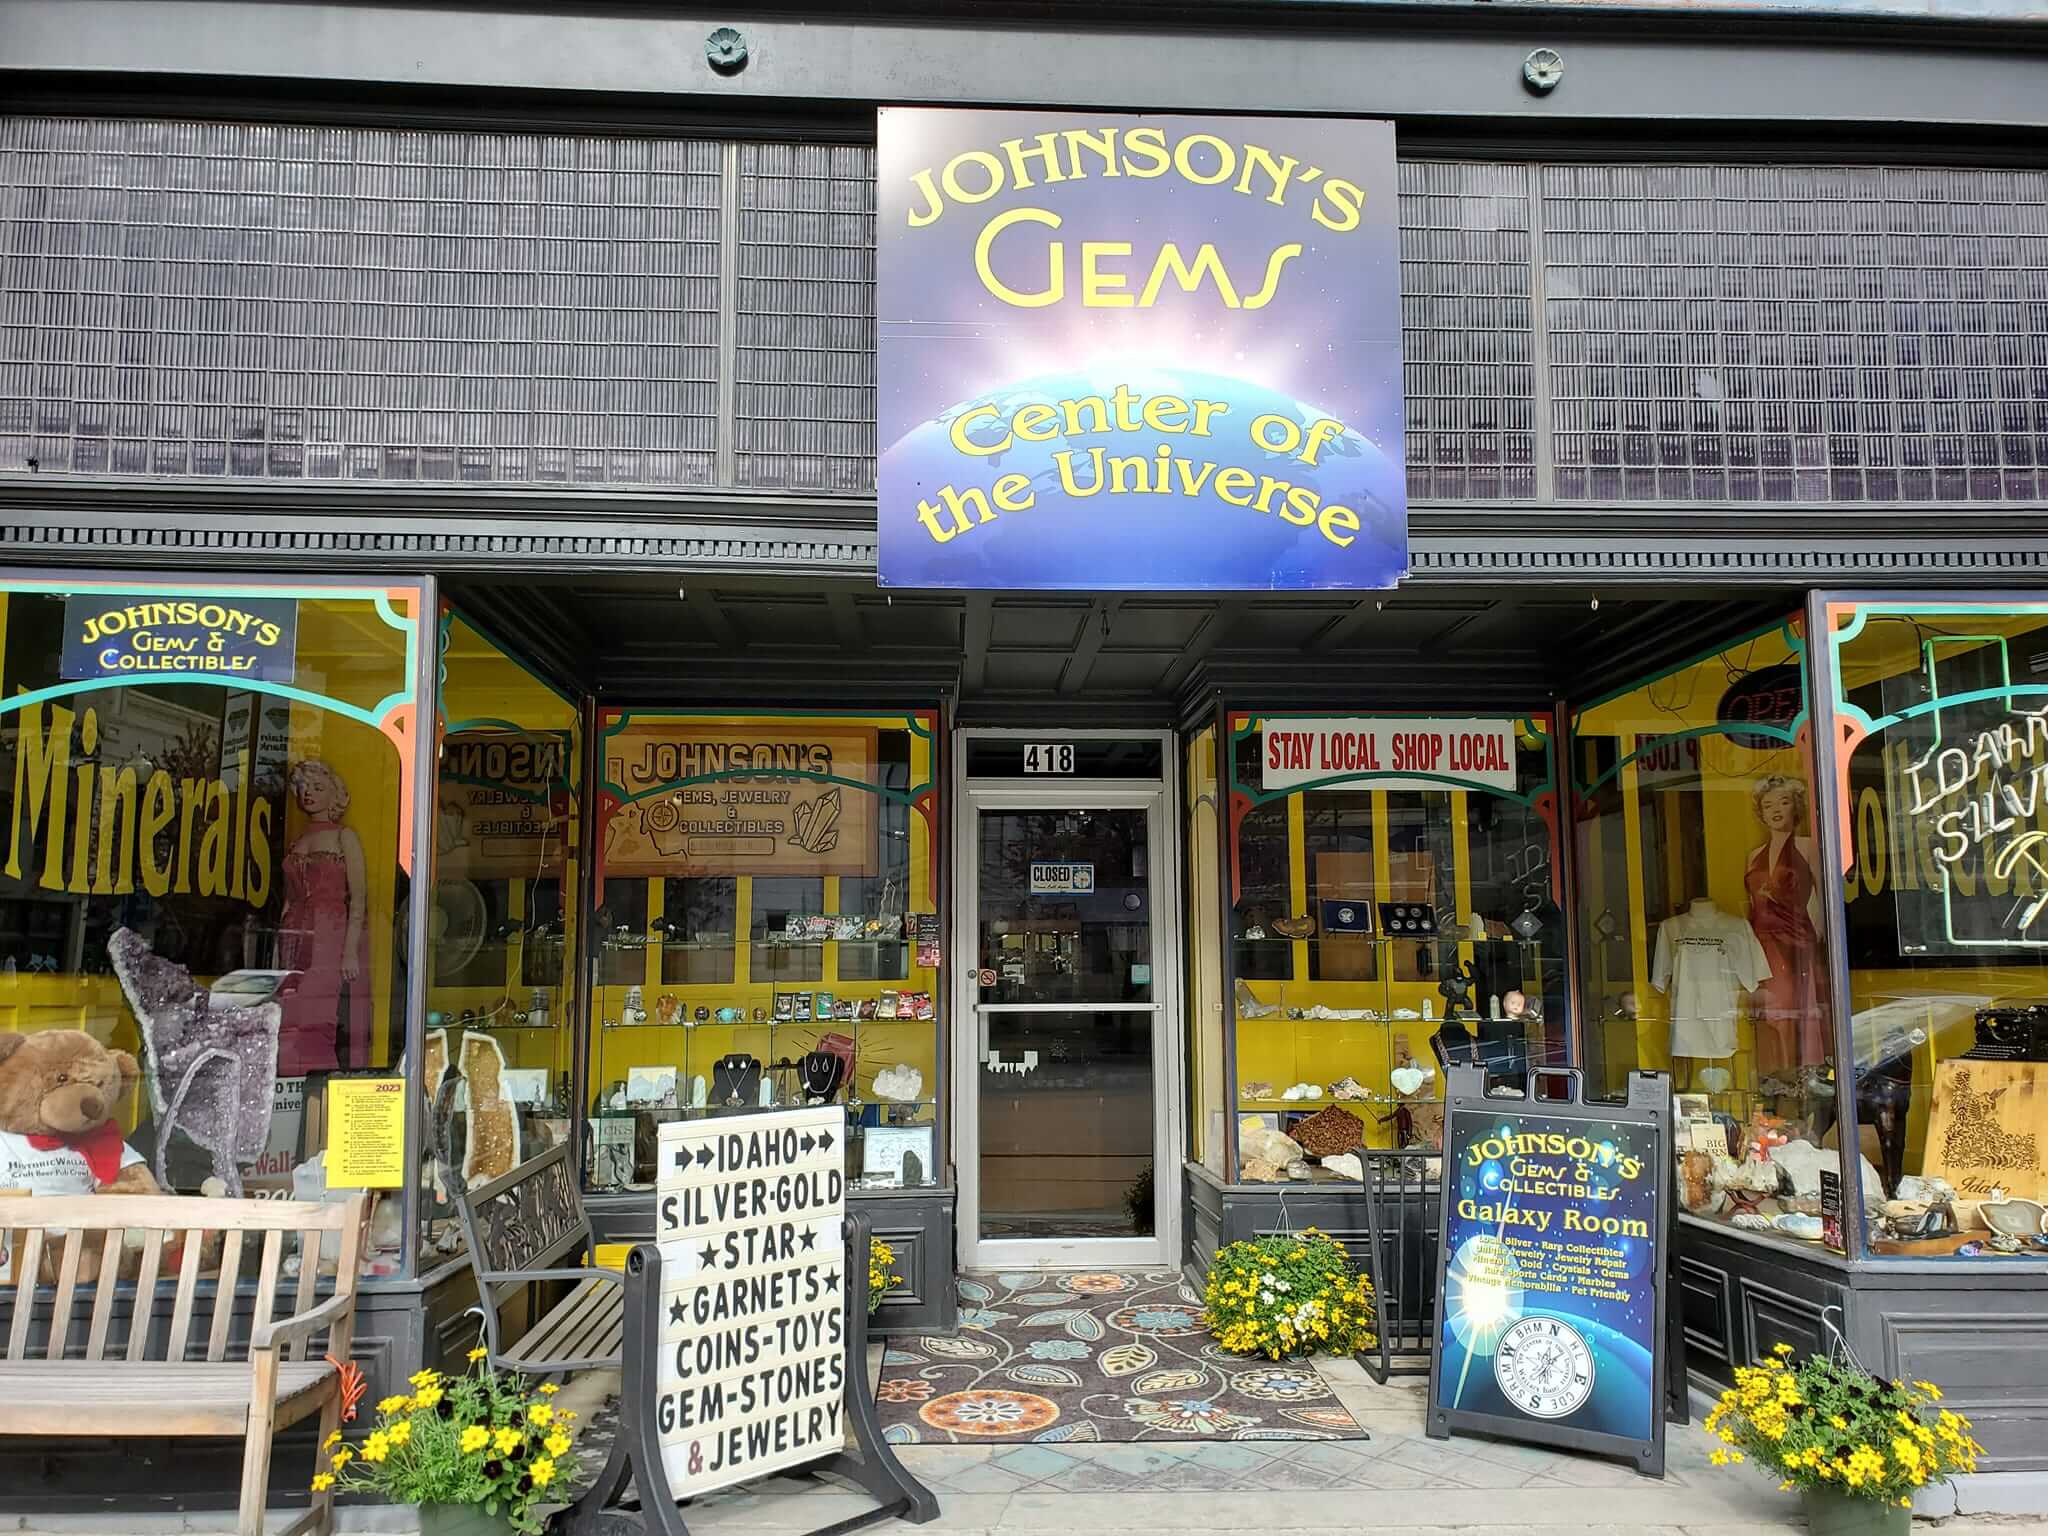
pixel 211 1068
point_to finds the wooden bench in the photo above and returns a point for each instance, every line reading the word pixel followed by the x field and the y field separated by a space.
pixel 152 1378
pixel 529 1226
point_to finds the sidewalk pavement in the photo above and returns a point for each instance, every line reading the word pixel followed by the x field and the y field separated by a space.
pixel 1397 1480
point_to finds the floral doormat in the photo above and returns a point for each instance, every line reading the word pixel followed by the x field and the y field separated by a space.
pixel 1105 1356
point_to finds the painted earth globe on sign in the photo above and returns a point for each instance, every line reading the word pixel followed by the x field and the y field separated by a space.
pixel 1078 529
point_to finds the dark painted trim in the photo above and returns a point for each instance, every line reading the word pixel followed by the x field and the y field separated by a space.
pixel 1411 62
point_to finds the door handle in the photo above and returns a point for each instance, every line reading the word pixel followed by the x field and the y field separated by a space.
pixel 981 1032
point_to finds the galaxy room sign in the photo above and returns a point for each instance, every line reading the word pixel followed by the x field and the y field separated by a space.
pixel 1156 353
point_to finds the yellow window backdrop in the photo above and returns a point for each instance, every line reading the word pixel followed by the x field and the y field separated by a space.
pixel 500 984
pixel 1703 924
pixel 767 907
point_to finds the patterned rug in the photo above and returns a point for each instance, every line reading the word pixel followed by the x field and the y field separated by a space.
pixel 1106 1356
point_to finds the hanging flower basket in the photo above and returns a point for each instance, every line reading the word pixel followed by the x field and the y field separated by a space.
pixel 1288 1295
pixel 1856 1448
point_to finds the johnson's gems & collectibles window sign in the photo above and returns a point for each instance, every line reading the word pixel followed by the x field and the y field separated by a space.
pixel 684 795
pixel 1138 352
pixel 504 804
pixel 116 634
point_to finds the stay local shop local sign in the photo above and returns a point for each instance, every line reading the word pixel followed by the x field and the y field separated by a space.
pixel 1138 352
pixel 749 1213
pixel 1396 753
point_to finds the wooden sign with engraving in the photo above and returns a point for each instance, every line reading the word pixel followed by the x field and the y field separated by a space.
pixel 1988 1128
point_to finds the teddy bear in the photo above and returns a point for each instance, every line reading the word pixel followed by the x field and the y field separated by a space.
pixel 59 1090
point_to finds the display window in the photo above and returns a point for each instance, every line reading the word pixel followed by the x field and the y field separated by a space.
pixel 208 856
pixel 498 1044
pixel 766 932
pixel 1941 731
pixel 1703 913
pixel 1393 899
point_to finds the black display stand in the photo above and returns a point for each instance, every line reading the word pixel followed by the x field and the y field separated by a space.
pixel 1557 1095
pixel 635 1458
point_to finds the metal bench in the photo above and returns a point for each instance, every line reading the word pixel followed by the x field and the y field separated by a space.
pixel 526 1227
pixel 132 1373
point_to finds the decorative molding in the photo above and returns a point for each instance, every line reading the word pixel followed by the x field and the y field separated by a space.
pixel 1565 547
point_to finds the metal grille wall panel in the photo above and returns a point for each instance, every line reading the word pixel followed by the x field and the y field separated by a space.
pixel 1797 333
pixel 1466 331
pixel 804 372
pixel 266 302
pixel 249 300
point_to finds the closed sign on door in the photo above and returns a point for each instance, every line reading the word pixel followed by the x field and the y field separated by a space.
pixel 1049 878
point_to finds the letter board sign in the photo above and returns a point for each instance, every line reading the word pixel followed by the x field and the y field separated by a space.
pixel 748 1217
pixel 1550 1272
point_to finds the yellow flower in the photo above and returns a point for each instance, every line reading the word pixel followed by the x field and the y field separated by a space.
pixel 331 1441
pixel 1719 1457
pixel 1838 1421
pixel 377 1447
pixel 1781 1349
pixel 474 1439
pixel 322 1481
pixel 557 1444
pixel 343 1457
pixel 401 1432
pixel 507 1441
pixel 425 1378
pixel 477 1354
pixel 427 1397
pixel 542 1472
pixel 540 1415
pixel 1930 1389
pixel 394 1404
pixel 547 1389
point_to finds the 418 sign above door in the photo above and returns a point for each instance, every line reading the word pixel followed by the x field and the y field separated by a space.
pixel 1049 757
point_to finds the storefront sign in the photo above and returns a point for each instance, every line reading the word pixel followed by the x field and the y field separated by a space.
pixel 1138 352
pixel 1052 878
pixel 365 1132
pixel 691 797
pixel 1389 754
pixel 129 634
pixel 748 1214
pixel 504 804
pixel 1551 1274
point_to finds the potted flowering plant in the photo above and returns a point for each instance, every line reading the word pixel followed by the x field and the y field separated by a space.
pixel 475 1452
pixel 1286 1295
pixel 881 1272
pixel 1854 1447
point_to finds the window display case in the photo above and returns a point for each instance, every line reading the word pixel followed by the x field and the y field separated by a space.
pixel 1392 904
pixel 766 933
pixel 208 863
pixel 1941 720
pixel 1703 921
pixel 498 1045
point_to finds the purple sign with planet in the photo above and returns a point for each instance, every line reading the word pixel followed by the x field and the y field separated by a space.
pixel 1139 353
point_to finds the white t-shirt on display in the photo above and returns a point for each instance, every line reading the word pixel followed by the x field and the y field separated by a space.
pixel 1706 959
pixel 58 1171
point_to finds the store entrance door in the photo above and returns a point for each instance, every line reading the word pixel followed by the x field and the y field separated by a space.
pixel 1067 1040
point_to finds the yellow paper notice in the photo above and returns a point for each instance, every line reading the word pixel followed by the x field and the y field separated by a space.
pixel 366 1133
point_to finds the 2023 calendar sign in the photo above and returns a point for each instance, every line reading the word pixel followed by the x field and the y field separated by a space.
pixel 749 1214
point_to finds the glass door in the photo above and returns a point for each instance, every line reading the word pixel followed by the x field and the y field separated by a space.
pixel 1066 1008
